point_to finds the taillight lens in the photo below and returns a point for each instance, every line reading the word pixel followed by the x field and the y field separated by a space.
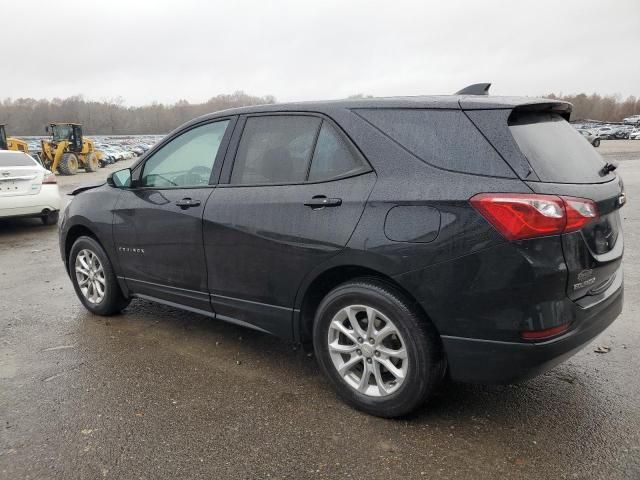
pixel 49 178
pixel 521 215
pixel 580 211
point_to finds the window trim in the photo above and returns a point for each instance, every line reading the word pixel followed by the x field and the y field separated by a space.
pixel 225 178
pixel 138 170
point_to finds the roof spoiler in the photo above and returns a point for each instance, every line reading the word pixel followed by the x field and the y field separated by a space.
pixel 475 89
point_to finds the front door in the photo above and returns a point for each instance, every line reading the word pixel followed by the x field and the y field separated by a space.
pixel 295 194
pixel 158 224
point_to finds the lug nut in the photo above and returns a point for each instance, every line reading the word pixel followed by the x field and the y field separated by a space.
pixel 371 341
pixel 359 352
pixel 377 354
pixel 360 340
pixel 368 360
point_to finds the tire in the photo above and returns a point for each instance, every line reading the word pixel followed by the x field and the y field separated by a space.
pixel 112 300
pixel 425 362
pixel 50 218
pixel 68 164
pixel 596 142
pixel 91 163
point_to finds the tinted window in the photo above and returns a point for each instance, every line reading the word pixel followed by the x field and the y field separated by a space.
pixel 443 138
pixel 13 159
pixel 555 150
pixel 333 156
pixel 186 161
pixel 275 149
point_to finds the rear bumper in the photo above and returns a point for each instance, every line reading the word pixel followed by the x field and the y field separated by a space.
pixel 31 205
pixel 496 362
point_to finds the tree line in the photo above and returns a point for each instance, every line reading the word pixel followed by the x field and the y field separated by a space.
pixel 28 116
pixel 607 108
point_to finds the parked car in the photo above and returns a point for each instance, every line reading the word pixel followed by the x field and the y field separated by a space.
pixel 591 137
pixel 634 134
pixel 400 238
pixel 606 133
pixel 632 120
pixel 27 189
pixel 620 132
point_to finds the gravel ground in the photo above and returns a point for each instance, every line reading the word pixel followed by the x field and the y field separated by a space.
pixel 160 393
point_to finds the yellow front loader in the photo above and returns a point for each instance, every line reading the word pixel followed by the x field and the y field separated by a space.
pixel 12 143
pixel 67 151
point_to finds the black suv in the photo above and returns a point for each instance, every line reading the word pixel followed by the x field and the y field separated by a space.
pixel 404 238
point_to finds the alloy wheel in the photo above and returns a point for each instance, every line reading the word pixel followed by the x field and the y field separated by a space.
pixel 90 276
pixel 367 350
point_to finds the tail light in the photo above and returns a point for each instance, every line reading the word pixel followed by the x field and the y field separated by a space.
pixel 49 178
pixel 518 216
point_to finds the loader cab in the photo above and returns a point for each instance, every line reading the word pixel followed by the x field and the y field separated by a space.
pixel 3 138
pixel 71 132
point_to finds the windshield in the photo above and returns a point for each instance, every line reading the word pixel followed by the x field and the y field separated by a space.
pixel 555 149
pixel 15 159
pixel 61 132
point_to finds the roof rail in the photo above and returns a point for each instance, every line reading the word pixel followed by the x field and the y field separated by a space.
pixel 475 89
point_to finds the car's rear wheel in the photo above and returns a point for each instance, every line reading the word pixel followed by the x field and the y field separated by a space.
pixel 379 352
pixel 50 218
pixel 93 278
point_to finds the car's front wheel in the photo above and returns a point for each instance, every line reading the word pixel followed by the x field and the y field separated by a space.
pixel 93 278
pixel 379 352
pixel 596 142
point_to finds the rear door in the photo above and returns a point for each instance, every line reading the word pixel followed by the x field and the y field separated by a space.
pixel 567 165
pixel 296 189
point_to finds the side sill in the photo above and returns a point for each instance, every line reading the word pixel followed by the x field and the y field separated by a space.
pixel 206 313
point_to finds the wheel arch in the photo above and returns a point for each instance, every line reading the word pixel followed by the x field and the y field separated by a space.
pixel 322 283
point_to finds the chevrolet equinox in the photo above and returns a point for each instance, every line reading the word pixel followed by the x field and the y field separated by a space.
pixel 404 239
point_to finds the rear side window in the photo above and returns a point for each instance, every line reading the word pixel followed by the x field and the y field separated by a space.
pixel 275 149
pixel 443 138
pixel 13 159
pixel 556 152
pixel 333 156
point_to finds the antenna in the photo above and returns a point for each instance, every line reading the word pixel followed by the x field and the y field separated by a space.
pixel 475 89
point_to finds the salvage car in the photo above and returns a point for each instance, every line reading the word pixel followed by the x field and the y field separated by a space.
pixel 405 240
pixel 590 137
pixel 27 189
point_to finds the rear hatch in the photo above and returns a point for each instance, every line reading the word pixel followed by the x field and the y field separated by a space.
pixel 19 175
pixel 562 163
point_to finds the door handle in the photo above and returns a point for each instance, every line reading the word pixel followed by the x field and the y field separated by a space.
pixel 321 201
pixel 187 203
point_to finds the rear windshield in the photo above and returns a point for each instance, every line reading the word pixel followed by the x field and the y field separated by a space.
pixel 13 159
pixel 555 150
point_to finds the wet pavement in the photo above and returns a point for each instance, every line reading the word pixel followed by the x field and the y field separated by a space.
pixel 159 393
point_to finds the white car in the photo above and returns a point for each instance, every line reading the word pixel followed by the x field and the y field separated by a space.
pixel 27 189
pixel 634 134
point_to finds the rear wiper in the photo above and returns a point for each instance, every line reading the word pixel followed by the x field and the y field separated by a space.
pixel 608 167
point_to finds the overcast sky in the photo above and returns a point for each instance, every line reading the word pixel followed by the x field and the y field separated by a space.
pixel 158 50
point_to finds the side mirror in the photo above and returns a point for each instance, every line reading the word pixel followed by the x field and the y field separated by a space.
pixel 46 129
pixel 120 179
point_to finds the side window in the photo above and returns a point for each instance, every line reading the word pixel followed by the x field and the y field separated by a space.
pixel 442 138
pixel 275 149
pixel 333 156
pixel 186 161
